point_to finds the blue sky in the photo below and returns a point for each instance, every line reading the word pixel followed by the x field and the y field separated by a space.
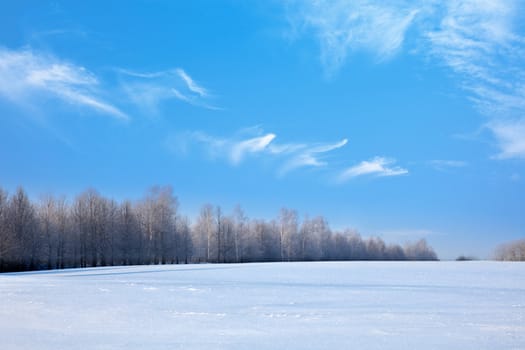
pixel 403 121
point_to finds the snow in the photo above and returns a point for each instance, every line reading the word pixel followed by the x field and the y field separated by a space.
pixel 323 305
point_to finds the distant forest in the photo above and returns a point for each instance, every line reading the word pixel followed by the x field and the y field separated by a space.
pixel 92 230
pixel 511 251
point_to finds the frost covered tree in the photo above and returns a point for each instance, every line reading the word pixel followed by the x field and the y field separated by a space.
pixel 66 240
pixel 310 239
pixel 203 233
pixel 375 249
pixel 129 241
pixel 94 230
pixel 7 242
pixel 185 243
pixel 219 233
pixel 288 234
pixel 86 218
pixel 22 232
pixel 512 251
pixel 48 226
pixel 157 214
pixel 239 233
pixel 420 251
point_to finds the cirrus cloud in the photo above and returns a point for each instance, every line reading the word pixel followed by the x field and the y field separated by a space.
pixel 377 166
pixel 149 90
pixel 476 40
pixel 237 148
pixel 345 26
pixel 26 76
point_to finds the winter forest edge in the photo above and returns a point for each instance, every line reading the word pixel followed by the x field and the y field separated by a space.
pixel 92 230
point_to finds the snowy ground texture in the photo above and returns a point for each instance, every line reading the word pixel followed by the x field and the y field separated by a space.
pixel 331 305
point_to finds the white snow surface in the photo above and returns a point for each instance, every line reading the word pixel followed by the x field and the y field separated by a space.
pixel 321 305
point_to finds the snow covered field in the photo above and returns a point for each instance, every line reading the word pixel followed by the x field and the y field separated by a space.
pixel 330 305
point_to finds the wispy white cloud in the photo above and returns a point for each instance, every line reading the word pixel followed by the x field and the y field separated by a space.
pixel 191 84
pixel 477 40
pixel 443 165
pixel 181 96
pixel 150 89
pixel 26 75
pixel 378 166
pixel 213 144
pixel 285 157
pixel 307 155
pixel 140 74
pixel 472 37
pixel 344 26
pixel 510 135
pixel 286 148
pixel 253 145
pixel 472 34
pixel 234 149
pixel 244 143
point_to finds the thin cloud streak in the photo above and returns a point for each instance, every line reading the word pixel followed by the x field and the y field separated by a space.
pixel 287 157
pixel 443 165
pixel 253 145
pixel 309 156
pixel 236 149
pixel 25 75
pixel 181 96
pixel 192 85
pixel 378 166
pixel 92 102
pixel 148 90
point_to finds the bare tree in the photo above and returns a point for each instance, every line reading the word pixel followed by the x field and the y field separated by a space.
pixel 229 253
pixel 87 217
pixel 375 249
pixel 356 244
pixel 512 251
pixel 22 224
pixel 394 252
pixel 288 233
pixel 185 244
pixel 66 243
pixel 218 232
pixel 310 239
pixel 48 227
pixel 420 251
pixel 145 218
pixel 97 231
pixel 240 227
pixel 203 233
pixel 6 237
pixel 130 241
pixel 326 243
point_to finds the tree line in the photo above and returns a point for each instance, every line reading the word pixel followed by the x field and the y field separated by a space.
pixel 511 251
pixel 92 230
